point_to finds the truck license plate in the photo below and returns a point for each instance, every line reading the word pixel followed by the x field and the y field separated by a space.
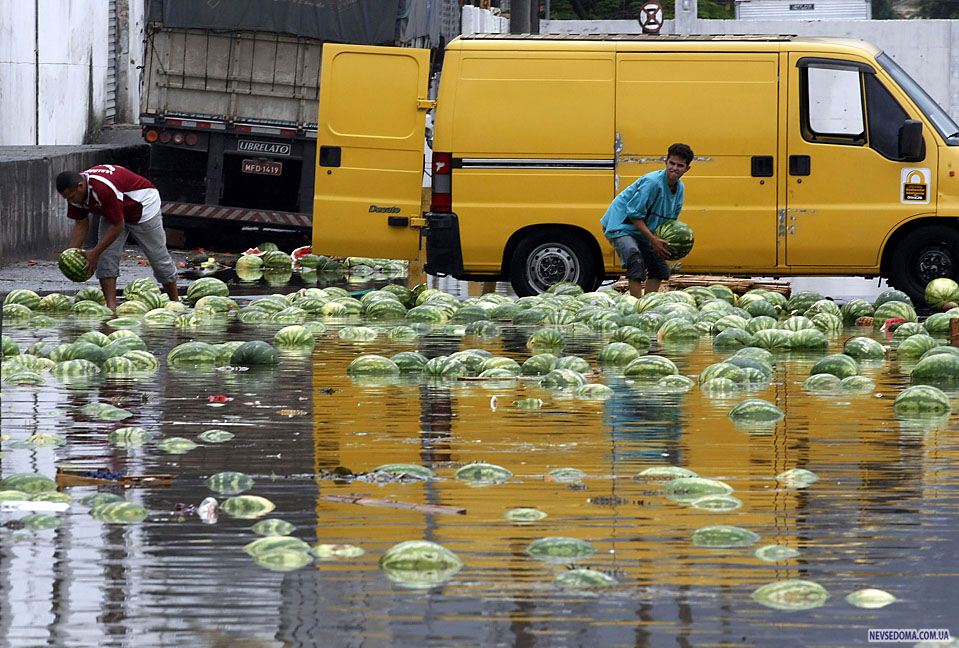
pixel 262 167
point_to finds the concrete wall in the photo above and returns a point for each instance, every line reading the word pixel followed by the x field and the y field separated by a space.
pixel 53 68
pixel 33 222
pixel 483 21
pixel 927 49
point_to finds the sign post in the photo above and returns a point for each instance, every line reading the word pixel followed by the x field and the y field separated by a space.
pixel 651 17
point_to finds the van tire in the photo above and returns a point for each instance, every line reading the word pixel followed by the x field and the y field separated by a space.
pixel 548 256
pixel 924 254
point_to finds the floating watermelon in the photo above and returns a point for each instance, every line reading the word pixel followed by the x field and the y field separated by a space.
pixel 679 237
pixel 941 291
pixel 73 264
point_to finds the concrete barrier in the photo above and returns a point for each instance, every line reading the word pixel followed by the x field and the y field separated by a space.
pixel 33 222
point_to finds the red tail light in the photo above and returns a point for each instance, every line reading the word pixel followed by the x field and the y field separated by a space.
pixel 442 199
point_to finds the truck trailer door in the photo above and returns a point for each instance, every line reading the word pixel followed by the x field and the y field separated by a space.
pixel 370 136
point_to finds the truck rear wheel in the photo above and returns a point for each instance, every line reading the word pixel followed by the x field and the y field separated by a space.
pixel 922 255
pixel 548 256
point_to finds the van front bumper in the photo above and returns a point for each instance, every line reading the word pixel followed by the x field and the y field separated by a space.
pixel 444 254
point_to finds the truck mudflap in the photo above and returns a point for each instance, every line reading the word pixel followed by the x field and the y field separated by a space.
pixel 239 214
pixel 444 255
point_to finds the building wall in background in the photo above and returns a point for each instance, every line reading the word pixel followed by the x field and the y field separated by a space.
pixel 53 68
pixel 799 10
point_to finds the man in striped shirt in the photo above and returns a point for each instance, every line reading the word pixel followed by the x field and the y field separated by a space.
pixel 126 203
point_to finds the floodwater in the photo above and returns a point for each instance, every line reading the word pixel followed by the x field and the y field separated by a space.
pixel 884 513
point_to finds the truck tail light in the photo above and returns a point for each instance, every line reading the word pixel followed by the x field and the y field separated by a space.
pixel 442 198
pixel 165 137
pixel 151 136
pixel 191 139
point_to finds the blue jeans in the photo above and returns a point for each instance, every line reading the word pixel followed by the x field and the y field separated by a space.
pixel 636 254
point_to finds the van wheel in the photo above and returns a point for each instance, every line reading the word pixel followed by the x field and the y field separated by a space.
pixel 923 255
pixel 547 257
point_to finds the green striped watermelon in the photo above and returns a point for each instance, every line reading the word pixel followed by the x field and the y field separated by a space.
pixel 756 410
pixel 678 236
pixel 409 361
pixel 863 348
pixel 854 309
pixel 922 400
pixel 650 368
pixel 54 303
pixel 840 365
pixel 206 286
pixel 192 354
pixel 22 296
pixel 73 265
pixel 373 365
pixel 278 260
pixel 255 353
pixel 941 291
pixel 939 369
pixel 893 309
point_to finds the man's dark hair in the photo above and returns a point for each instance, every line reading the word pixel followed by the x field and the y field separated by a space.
pixel 681 150
pixel 68 180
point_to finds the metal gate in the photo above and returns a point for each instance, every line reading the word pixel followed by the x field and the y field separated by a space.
pixel 110 109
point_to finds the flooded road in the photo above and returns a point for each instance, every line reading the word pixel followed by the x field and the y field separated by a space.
pixel 883 514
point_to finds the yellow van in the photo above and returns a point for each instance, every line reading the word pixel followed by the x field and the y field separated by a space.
pixel 814 156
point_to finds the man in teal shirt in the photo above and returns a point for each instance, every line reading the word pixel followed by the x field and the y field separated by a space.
pixel 635 214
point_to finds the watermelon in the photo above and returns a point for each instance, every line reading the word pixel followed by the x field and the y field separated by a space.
pixel 914 346
pixel 159 317
pixel 539 364
pixel 756 410
pixel 192 354
pixel 722 370
pixel 142 360
pixel 278 260
pixel 864 348
pixel 90 293
pixel 8 347
pixel 575 363
pixel 759 307
pixel 618 354
pixel 938 323
pixel 22 296
pixel 132 308
pixel 290 315
pixel 216 303
pixel 719 387
pixel 54 303
pixel 775 340
pixel 854 309
pixel 893 309
pixel 678 236
pixel 445 367
pixel 840 365
pixel 263 248
pixel 294 337
pixel 376 365
pixel 69 369
pixel 828 323
pixel 891 295
pixel 821 383
pixel 801 301
pixel 118 365
pixel 676 329
pixel 409 361
pixel 922 400
pixel 16 313
pixel 797 323
pixel 254 353
pixel 810 339
pixel 675 384
pixel 547 338
pixel 941 291
pixel 939 369
pixel 384 309
pixel 856 384
pixel 756 364
pixel 761 323
pixel 908 329
pixel 823 306
pixel 73 265
pixel 206 286
pixel 650 368
pixel 563 379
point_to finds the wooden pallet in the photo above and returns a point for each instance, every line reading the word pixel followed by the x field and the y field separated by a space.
pixel 737 284
pixel 78 477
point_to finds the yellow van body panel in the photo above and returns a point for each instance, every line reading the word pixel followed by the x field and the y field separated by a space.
pixel 370 188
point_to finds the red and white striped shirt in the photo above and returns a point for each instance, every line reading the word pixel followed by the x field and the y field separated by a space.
pixel 117 194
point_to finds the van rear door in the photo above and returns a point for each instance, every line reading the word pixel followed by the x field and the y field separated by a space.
pixel 370 136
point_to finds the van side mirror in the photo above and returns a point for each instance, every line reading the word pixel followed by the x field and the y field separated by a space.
pixel 910 141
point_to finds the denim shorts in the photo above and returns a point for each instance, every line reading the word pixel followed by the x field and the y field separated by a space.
pixel 636 254
pixel 152 240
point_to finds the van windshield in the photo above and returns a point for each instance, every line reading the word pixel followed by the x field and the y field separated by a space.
pixel 939 118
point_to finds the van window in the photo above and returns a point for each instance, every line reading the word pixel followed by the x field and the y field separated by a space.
pixel 833 106
pixel 885 118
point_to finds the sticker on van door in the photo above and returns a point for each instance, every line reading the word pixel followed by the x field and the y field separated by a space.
pixel 914 187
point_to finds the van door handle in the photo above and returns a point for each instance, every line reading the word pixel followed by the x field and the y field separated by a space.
pixel 330 156
pixel 398 221
pixel 799 165
pixel 762 166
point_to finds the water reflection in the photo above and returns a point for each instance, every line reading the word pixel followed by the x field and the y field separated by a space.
pixel 883 514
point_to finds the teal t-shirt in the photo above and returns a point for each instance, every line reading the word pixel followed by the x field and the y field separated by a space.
pixel 648 199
